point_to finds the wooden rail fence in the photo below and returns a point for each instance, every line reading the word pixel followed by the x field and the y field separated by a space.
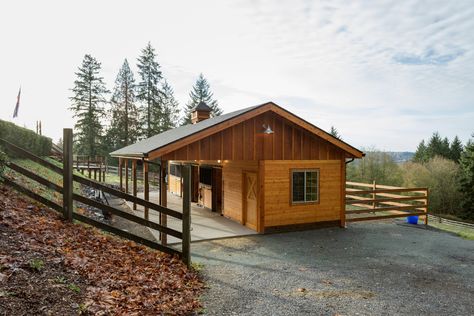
pixel 96 167
pixel 68 194
pixel 375 201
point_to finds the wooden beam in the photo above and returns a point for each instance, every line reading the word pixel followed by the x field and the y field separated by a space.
pixel 89 167
pixel 146 187
pixel 121 173
pixel 358 199
pixel 360 219
pixel 134 181
pixel 163 198
pixel 67 174
pixel 186 229
pixel 342 214
pixel 380 209
pixel 385 190
pixel 126 175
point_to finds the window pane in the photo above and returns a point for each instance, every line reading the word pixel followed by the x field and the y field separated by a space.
pixel 311 186
pixel 298 186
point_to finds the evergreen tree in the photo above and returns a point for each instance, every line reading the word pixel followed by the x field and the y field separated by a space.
pixel 201 92
pixel 124 125
pixel 148 91
pixel 421 153
pixel 456 149
pixel 334 132
pixel 88 106
pixel 170 115
pixel 467 180
pixel 445 150
pixel 435 146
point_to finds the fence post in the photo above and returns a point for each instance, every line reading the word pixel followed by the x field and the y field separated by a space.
pixel 374 187
pixel 427 205
pixel 67 174
pixel 186 172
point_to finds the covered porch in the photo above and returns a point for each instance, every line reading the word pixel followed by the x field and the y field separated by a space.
pixel 205 224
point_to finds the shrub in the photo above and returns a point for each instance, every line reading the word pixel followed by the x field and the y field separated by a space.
pixel 376 165
pixel 441 176
pixel 25 138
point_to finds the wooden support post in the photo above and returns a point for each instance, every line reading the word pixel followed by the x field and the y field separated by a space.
pixel 100 169
pixel 126 175
pixel 146 186
pixel 374 187
pixel 163 198
pixel 121 173
pixel 105 169
pixel 67 174
pixel 95 174
pixel 427 205
pixel 134 181
pixel 89 166
pixel 186 171
pixel 342 222
pixel 181 180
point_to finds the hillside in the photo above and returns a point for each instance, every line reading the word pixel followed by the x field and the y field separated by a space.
pixel 51 267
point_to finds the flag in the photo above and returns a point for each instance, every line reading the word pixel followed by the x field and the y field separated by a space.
pixel 15 113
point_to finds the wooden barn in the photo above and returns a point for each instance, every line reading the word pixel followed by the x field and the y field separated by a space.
pixel 261 166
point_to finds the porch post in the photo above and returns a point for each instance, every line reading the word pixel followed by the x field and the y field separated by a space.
pixel 134 181
pixel 146 187
pixel 163 198
pixel 126 175
pixel 121 173
pixel 342 223
pixel 186 245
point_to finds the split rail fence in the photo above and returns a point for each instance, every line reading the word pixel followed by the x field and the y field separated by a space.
pixel 372 201
pixel 69 196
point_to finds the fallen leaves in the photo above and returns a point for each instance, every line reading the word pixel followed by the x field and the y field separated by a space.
pixel 124 278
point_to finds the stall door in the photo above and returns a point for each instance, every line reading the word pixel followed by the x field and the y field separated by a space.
pixel 250 200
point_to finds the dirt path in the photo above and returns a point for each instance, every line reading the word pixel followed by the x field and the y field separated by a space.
pixel 379 268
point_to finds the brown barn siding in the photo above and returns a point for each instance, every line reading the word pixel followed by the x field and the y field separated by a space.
pixel 278 208
pixel 245 141
pixel 232 178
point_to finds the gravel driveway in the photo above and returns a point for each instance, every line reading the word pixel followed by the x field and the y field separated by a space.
pixel 378 268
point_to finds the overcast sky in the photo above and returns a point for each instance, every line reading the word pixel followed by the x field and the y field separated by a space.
pixel 386 74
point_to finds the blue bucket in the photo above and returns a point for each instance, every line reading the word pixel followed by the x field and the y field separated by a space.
pixel 412 219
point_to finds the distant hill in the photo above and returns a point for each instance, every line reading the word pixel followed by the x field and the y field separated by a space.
pixel 401 156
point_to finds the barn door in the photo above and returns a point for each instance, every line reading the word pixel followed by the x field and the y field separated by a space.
pixel 250 200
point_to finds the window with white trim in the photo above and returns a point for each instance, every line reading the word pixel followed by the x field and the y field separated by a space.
pixel 304 186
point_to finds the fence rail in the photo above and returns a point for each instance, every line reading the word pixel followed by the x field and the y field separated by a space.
pixel 383 202
pixel 451 222
pixel 66 189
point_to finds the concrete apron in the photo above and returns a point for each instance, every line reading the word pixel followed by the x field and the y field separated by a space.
pixel 205 224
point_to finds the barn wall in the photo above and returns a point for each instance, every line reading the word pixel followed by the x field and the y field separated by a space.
pixel 246 141
pixel 276 195
pixel 232 184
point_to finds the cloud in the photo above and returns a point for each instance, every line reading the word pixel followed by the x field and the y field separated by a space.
pixel 429 57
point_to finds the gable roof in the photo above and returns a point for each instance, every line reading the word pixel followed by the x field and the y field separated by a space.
pixel 181 136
